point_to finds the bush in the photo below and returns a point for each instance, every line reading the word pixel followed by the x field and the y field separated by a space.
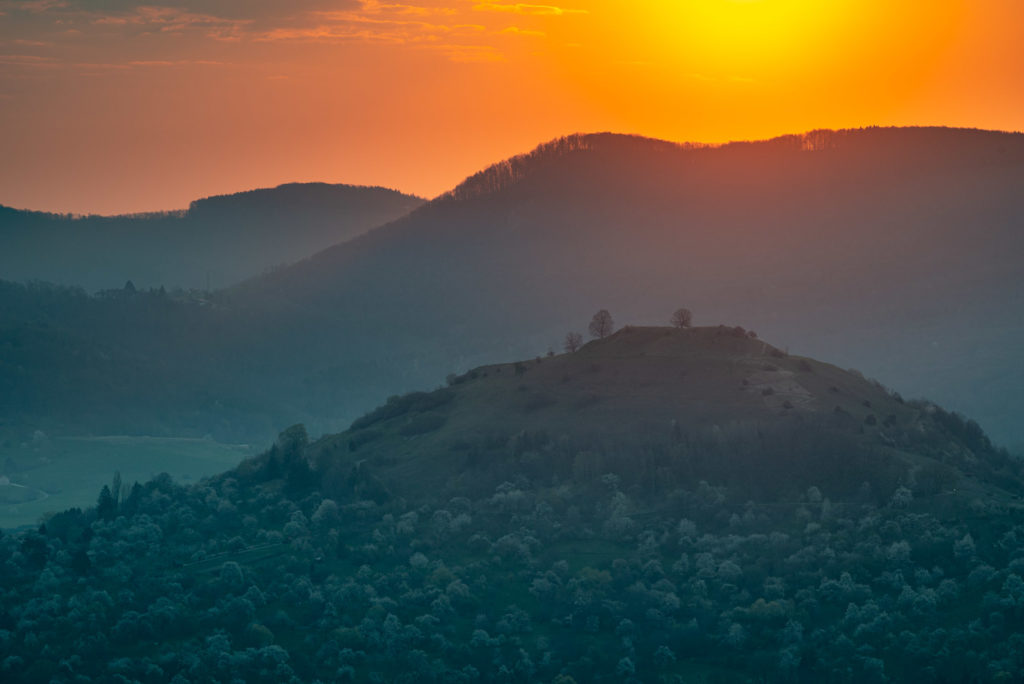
pixel 423 423
pixel 399 406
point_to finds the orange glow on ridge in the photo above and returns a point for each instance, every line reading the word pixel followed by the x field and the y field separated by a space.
pixel 149 107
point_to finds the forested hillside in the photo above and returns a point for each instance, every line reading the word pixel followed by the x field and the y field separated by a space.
pixel 216 242
pixel 802 525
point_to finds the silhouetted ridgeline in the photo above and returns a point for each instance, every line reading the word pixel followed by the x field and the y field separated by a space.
pixel 896 251
pixel 917 142
pixel 509 171
pixel 217 242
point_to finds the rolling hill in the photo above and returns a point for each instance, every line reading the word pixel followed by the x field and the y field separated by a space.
pixel 218 241
pixel 896 251
pixel 660 407
pixel 662 505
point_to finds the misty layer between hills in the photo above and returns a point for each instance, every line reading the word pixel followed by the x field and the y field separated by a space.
pixel 895 251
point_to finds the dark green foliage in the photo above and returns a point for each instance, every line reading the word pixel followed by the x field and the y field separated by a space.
pixel 399 406
pixel 966 431
pixel 537 401
pixel 106 505
pixel 421 424
pixel 630 574
pixel 361 437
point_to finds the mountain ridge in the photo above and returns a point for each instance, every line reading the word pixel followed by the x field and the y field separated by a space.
pixel 886 225
pixel 217 241
pixel 900 258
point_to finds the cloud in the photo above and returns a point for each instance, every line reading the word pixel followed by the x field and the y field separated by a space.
pixel 469 53
pixel 250 10
pixel 375 7
pixel 438 37
pixel 415 26
pixel 175 62
pixel 441 26
pixel 519 8
pixel 37 6
pixel 516 31
pixel 33 61
pixel 175 20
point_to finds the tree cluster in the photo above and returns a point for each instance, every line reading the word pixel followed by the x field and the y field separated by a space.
pixel 261 576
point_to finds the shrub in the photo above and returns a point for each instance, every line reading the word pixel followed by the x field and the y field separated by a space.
pixel 399 406
pixel 421 424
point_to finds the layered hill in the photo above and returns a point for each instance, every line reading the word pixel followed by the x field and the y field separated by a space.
pixel 661 505
pixel 896 251
pixel 662 408
pixel 216 242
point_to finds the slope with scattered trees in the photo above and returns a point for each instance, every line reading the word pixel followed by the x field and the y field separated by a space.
pixel 565 543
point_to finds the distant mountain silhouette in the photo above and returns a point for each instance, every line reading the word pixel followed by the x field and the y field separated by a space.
pixel 896 251
pixel 216 242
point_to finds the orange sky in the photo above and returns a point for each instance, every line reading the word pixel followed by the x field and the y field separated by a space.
pixel 119 105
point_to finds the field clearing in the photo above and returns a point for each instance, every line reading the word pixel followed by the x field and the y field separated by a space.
pixel 71 471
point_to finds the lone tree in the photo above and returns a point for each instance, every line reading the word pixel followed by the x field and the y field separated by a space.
pixel 573 341
pixel 682 318
pixel 601 325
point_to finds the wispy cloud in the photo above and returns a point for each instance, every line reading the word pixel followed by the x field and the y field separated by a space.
pixel 432 28
pixel 516 31
pixel 176 20
pixel 41 62
pixel 37 5
pixel 375 7
pixel 469 53
pixel 175 62
pixel 30 61
pixel 446 27
pixel 520 8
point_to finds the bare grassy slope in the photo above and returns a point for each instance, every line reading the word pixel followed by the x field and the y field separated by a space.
pixel 659 408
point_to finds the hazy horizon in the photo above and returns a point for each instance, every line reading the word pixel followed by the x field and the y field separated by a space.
pixel 726 391
pixel 459 179
pixel 134 107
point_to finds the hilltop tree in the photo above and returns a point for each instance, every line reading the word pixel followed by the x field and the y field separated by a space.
pixel 601 325
pixel 106 505
pixel 573 340
pixel 682 318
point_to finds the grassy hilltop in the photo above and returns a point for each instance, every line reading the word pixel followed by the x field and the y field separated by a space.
pixel 661 406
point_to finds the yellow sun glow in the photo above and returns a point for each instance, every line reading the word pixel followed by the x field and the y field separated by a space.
pixel 737 38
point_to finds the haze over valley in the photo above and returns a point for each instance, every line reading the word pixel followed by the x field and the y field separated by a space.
pixel 893 251
pixel 494 342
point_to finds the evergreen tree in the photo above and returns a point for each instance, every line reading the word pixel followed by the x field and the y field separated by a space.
pixel 106 506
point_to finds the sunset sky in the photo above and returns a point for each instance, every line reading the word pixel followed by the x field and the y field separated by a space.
pixel 113 106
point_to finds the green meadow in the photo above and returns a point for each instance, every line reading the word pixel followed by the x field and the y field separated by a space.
pixel 70 471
